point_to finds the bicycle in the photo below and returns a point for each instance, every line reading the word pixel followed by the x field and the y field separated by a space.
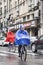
pixel 11 47
pixel 23 53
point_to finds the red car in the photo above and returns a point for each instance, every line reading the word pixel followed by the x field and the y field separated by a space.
pixel 38 44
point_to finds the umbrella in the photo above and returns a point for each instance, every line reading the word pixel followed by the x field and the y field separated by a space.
pixel 22 37
pixel 10 37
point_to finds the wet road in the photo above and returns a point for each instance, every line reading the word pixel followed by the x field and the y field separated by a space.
pixel 13 59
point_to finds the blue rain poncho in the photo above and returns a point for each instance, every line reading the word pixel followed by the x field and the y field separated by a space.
pixel 22 37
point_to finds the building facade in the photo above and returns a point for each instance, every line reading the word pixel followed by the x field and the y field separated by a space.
pixel 26 14
pixel 22 12
pixel 5 6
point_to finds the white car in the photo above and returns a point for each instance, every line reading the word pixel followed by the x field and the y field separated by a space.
pixel 2 41
pixel 32 39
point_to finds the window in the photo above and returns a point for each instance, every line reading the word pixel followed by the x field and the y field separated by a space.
pixel 4 0
pixel 10 7
pixel 20 1
pixel 0 3
pixel 23 3
pixel 28 16
pixel 1 11
pixel 30 0
pixel 16 7
pixel 32 15
pixel 24 19
pixel 1 25
pixel 15 3
pixel 26 0
pixel 41 38
pixel 10 0
pixel 5 10
pixel 23 0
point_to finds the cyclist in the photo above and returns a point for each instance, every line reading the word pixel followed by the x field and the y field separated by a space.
pixel 10 38
pixel 19 47
pixel 22 38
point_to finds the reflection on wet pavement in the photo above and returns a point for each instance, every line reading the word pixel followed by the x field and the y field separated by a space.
pixel 15 60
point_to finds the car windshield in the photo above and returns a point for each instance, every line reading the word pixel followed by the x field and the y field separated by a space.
pixel 2 38
pixel 41 38
pixel 32 37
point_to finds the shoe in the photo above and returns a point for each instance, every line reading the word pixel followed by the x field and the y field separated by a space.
pixel 19 55
pixel 22 52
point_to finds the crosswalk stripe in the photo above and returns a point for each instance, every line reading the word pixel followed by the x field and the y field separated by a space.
pixel 3 54
pixel 6 52
pixel 32 54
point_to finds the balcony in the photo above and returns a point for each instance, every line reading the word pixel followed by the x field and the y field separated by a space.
pixel 33 7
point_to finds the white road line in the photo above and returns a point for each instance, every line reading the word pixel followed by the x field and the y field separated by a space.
pixel 3 54
pixel 32 54
pixel 6 52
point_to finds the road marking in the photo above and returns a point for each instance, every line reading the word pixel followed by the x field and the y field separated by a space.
pixel 3 54
pixel 32 54
pixel 6 52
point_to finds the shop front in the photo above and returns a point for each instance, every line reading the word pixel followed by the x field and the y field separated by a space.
pixel 31 27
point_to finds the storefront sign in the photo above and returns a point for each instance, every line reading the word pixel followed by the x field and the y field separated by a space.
pixel 9 28
pixel 33 23
pixel 27 24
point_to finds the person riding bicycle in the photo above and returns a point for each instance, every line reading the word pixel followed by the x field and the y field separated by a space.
pixel 19 47
pixel 22 31
pixel 11 39
pixel 22 38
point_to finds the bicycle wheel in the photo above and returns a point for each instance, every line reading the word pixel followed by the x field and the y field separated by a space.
pixel 9 48
pixel 14 48
pixel 23 53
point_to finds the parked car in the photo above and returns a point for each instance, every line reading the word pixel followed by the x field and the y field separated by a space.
pixel 37 44
pixel 32 39
pixel 2 41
